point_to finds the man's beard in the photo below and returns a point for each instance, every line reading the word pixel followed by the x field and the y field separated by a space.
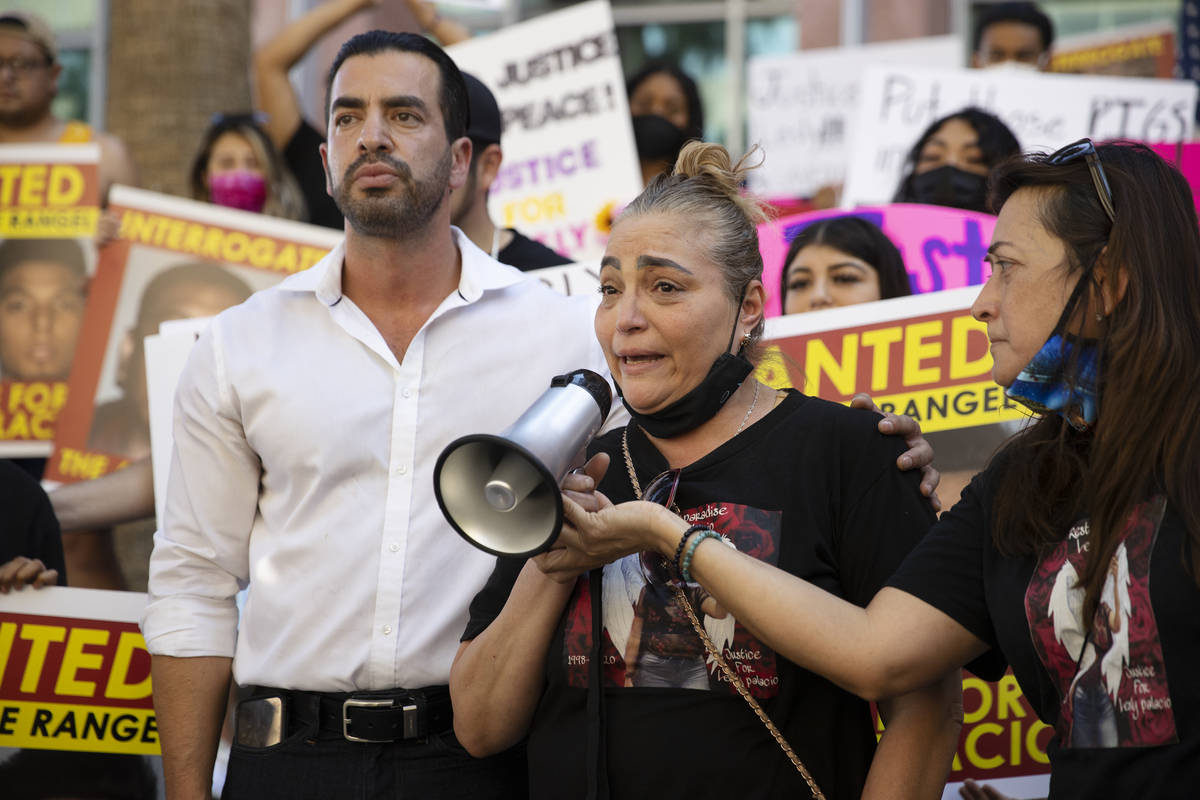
pixel 395 216
pixel 26 116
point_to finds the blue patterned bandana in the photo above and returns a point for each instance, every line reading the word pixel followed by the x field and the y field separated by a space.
pixel 1062 378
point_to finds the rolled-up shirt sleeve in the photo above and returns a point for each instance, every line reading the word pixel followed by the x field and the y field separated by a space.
pixel 200 549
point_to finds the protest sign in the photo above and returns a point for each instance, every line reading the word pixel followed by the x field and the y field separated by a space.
pixel 571 278
pixel 172 259
pixel 925 356
pixel 569 156
pixel 49 191
pixel 75 673
pixel 801 108
pixel 1138 51
pixel 49 205
pixel 1186 158
pixel 942 248
pixel 1045 112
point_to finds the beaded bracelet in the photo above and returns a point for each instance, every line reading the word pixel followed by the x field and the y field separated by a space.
pixel 707 533
pixel 682 541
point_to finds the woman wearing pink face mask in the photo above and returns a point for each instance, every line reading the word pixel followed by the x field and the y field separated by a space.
pixel 237 166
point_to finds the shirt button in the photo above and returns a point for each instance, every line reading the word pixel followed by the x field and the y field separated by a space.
pixel 395 548
pixel 406 393
pixel 387 630
pixel 401 470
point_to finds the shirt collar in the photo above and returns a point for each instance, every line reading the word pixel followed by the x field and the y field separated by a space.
pixel 480 273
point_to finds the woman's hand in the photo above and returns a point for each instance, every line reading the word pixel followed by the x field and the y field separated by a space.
pixel 22 572
pixel 592 538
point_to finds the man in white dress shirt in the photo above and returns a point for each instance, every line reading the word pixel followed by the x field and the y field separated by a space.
pixel 307 424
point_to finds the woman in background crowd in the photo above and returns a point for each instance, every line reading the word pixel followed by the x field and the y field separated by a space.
pixel 665 106
pixel 950 163
pixel 238 167
pixel 840 262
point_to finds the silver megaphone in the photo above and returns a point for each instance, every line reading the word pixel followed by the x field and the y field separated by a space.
pixel 501 493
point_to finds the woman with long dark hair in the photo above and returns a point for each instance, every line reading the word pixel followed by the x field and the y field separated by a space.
pixel 1075 556
pixel 840 262
pixel 949 164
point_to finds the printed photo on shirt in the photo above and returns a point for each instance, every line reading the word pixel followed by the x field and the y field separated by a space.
pixel 1112 680
pixel 648 639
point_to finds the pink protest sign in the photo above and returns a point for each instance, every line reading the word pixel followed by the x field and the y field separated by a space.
pixel 943 248
pixel 1186 157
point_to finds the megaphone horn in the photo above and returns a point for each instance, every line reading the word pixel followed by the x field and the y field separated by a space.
pixel 501 492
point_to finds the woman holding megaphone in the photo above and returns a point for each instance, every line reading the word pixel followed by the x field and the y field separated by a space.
pixel 629 677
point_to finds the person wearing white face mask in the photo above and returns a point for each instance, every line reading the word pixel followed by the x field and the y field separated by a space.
pixel 1013 36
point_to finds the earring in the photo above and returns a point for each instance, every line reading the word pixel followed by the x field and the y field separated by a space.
pixel 746 340
pixel 1099 317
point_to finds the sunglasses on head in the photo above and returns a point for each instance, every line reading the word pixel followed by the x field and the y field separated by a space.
pixel 1086 150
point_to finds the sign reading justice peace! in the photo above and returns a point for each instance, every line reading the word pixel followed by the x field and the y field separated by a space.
pixel 569 156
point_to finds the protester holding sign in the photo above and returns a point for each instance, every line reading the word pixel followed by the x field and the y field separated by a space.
pixel 950 162
pixel 29 49
pixel 839 262
pixel 681 312
pixel 1073 556
pixel 237 166
pixel 1012 35
pixel 666 111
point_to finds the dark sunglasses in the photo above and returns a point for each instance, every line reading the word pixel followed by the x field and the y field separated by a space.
pixel 1085 149
pixel 662 489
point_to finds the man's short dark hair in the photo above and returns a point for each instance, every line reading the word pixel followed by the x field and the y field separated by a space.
pixel 67 252
pixel 453 100
pixel 1024 13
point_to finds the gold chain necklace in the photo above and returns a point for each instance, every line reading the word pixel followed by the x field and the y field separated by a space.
pixel 714 653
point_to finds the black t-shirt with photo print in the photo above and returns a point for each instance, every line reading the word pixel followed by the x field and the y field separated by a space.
pixel 812 488
pixel 1124 701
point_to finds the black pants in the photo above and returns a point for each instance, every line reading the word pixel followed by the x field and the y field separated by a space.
pixel 327 767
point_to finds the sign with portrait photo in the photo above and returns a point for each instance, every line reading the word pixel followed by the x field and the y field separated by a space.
pixel 172 259
pixel 49 206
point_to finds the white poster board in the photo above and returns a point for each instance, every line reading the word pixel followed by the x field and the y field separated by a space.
pixel 568 144
pixel 802 106
pixel 166 354
pixel 1045 112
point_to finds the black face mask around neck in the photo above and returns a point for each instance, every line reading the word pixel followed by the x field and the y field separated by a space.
pixel 700 404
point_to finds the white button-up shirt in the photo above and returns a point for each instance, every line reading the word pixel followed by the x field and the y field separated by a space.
pixel 303 467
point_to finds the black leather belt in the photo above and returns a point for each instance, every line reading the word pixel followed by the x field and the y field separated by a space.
pixel 389 716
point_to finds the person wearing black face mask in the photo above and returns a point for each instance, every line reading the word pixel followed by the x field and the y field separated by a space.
pixel 664 103
pixel 950 162
pixel 793 480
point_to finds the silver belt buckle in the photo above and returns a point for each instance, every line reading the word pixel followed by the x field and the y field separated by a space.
pixel 410 719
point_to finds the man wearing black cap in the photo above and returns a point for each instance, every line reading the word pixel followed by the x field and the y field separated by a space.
pixel 468 205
